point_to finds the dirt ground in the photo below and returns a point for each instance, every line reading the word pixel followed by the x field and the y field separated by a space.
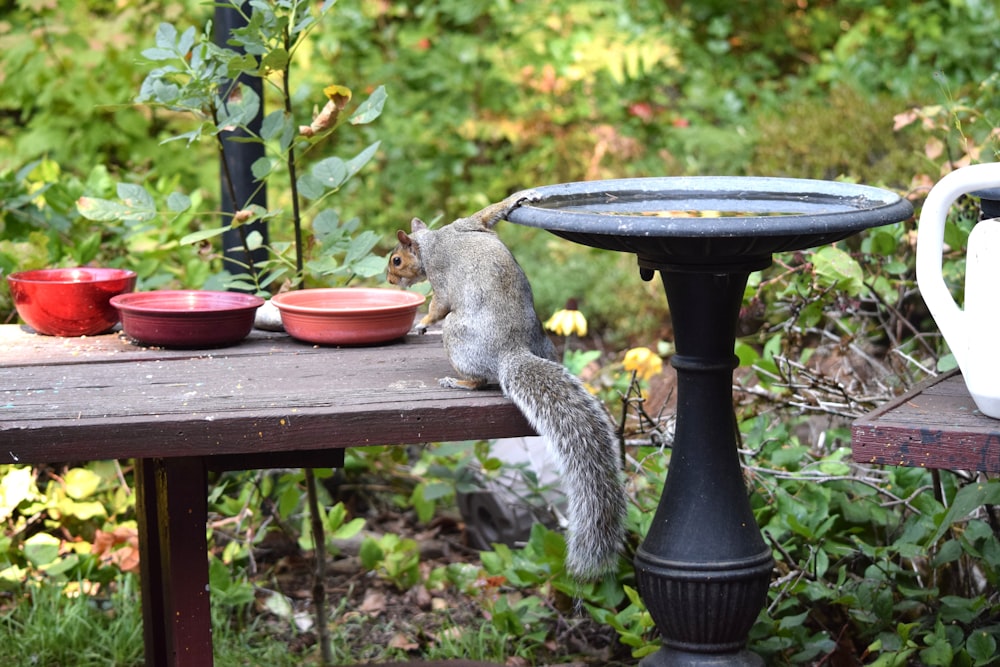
pixel 385 623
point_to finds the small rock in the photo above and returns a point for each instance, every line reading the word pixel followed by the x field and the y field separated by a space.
pixel 268 318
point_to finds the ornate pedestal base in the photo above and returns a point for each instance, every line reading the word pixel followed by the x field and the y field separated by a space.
pixel 703 569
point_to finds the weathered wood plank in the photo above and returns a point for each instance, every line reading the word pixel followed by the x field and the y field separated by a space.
pixel 99 398
pixel 936 425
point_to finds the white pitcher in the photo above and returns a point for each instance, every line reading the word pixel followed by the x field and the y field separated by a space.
pixel 973 334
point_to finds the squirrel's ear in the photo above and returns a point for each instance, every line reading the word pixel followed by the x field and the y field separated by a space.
pixel 403 238
pixel 417 224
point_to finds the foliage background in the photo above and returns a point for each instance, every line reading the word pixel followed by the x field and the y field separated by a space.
pixel 491 96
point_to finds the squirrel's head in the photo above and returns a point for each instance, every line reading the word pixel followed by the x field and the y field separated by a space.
pixel 405 267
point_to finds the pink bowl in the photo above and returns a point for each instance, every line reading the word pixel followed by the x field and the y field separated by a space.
pixel 187 318
pixel 69 302
pixel 347 315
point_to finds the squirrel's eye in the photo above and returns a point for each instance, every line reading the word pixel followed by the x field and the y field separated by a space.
pixel 396 260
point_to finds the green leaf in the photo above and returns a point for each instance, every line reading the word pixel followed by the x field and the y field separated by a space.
pixel 747 354
pixel 203 234
pixel 982 647
pixel 84 511
pixel 371 108
pixel 949 552
pixel 437 490
pixel 275 60
pixel 166 36
pixel 273 124
pixel 938 653
pixel 255 240
pixel 157 54
pixel 240 64
pixel 81 483
pixel 239 110
pixel 361 246
pixel 369 266
pixel 17 485
pixel 140 203
pixel 302 25
pixel 41 549
pixel 349 529
pixel 310 187
pixel 326 223
pixel 836 268
pixel 968 498
pixel 186 41
pixel 279 605
pixel 178 202
pixel 370 553
pixel 101 210
pixel 883 243
pixel 834 468
pixel 330 173
pixel 355 164
pixel 955 608
pixel 260 168
pixel 946 363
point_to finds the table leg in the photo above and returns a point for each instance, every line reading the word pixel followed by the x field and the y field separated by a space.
pixel 171 505
pixel 703 569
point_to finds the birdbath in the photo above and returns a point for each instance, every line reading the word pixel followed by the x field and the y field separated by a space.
pixel 703 569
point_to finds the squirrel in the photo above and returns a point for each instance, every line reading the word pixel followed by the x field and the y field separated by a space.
pixel 492 335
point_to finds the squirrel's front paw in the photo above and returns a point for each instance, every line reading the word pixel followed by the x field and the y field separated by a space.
pixel 528 196
pixel 420 328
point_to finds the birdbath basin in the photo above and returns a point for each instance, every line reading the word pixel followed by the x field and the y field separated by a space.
pixel 703 568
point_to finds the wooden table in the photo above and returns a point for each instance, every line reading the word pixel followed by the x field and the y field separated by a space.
pixel 268 402
pixel 936 425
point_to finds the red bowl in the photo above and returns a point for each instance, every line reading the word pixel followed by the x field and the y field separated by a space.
pixel 187 318
pixel 69 302
pixel 347 315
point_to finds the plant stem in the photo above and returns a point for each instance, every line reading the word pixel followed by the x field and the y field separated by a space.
pixel 316 521
pixel 292 177
pixel 319 570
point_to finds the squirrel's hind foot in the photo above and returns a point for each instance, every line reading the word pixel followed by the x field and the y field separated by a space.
pixel 455 383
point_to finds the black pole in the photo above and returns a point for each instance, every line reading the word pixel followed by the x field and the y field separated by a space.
pixel 239 157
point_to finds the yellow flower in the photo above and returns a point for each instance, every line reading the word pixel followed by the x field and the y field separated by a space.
pixel 643 361
pixel 566 322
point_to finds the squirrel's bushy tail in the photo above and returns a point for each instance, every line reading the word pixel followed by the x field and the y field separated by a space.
pixel 582 440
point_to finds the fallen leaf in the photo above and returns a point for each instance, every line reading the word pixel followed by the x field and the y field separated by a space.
pixel 402 642
pixel 374 602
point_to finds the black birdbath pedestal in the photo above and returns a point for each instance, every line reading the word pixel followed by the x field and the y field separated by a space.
pixel 703 569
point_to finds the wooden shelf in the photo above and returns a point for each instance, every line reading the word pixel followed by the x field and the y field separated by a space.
pixel 79 399
pixel 936 425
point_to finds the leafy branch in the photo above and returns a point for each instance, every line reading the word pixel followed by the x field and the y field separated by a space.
pixel 196 77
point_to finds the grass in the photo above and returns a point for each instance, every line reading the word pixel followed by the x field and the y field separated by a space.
pixel 42 626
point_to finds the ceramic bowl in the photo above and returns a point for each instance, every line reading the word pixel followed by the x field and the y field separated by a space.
pixel 187 318
pixel 347 315
pixel 69 302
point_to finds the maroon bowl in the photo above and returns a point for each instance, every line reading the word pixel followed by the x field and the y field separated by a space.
pixel 347 315
pixel 187 318
pixel 69 302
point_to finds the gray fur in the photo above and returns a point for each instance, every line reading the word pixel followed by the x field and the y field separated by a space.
pixel 492 335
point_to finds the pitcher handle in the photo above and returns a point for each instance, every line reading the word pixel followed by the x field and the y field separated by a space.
pixel 930 245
